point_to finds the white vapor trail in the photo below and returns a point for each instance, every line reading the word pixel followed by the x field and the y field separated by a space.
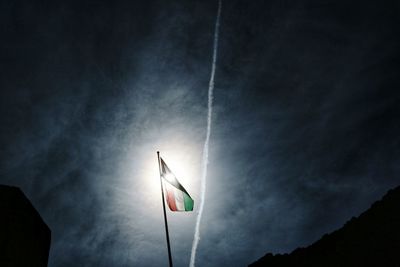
pixel 206 142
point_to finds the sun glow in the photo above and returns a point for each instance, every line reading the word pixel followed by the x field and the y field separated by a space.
pixel 143 176
pixel 169 177
pixel 182 163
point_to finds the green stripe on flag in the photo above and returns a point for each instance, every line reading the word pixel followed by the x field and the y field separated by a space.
pixel 188 202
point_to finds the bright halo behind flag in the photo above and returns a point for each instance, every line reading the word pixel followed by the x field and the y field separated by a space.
pixel 177 197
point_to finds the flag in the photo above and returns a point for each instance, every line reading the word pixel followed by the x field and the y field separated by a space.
pixel 177 197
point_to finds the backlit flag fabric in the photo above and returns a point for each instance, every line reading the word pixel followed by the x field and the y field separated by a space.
pixel 177 197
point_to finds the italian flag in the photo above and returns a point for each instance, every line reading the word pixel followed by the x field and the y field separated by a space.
pixel 177 197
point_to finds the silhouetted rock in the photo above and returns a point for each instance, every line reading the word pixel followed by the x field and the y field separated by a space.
pixel 24 237
pixel 372 239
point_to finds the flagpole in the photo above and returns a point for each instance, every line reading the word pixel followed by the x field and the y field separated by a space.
pixel 165 214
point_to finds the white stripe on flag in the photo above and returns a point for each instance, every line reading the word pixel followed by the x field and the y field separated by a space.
pixel 180 205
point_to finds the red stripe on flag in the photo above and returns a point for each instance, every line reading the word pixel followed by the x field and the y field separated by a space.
pixel 171 200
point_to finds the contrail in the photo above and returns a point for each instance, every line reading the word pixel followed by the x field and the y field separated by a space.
pixel 206 142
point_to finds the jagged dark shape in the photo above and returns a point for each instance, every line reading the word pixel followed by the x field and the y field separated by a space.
pixel 24 236
pixel 372 239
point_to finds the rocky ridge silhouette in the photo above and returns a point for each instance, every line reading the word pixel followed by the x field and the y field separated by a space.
pixel 371 239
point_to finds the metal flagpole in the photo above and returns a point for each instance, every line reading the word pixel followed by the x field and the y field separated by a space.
pixel 165 214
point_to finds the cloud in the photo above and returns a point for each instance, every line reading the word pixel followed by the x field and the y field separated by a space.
pixel 304 133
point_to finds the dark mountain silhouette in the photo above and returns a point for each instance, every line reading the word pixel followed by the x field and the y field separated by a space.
pixel 372 239
pixel 24 237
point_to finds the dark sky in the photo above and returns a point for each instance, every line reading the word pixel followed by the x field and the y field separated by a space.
pixel 305 130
